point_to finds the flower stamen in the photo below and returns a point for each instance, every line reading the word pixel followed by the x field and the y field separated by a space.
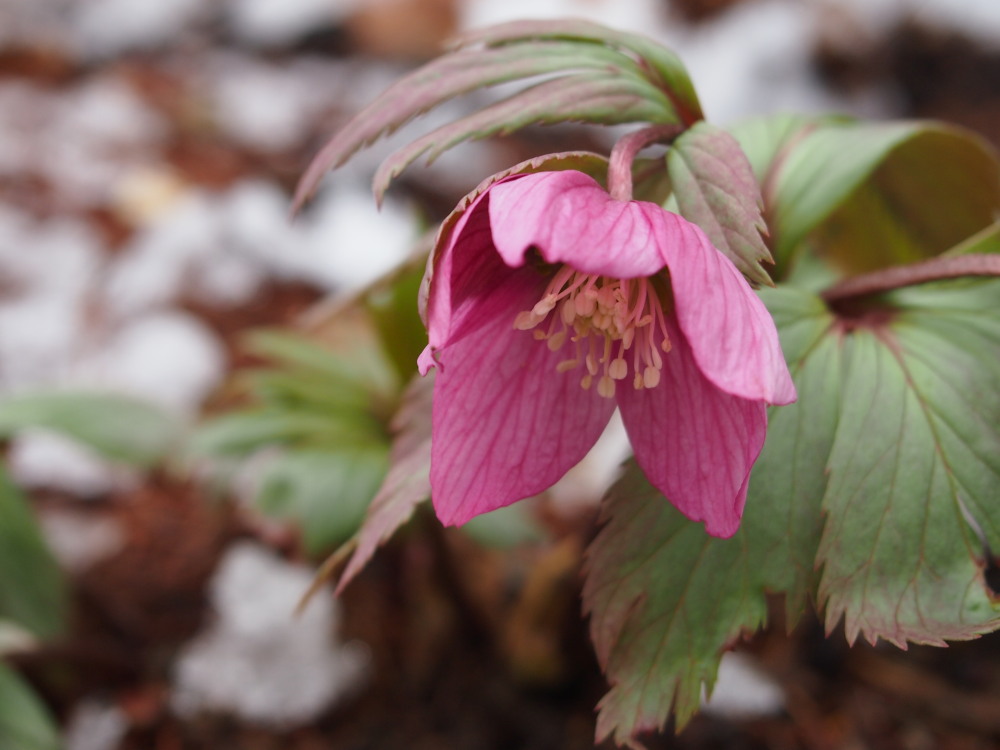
pixel 614 316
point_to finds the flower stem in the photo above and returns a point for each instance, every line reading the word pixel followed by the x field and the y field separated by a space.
pixel 935 269
pixel 624 153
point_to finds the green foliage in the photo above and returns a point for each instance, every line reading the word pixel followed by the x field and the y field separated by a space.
pixel 315 430
pixel 715 188
pixel 32 589
pixel 25 724
pixel 858 502
pixel 118 427
pixel 864 196
pixel 581 72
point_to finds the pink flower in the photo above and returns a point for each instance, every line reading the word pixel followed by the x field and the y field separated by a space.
pixel 551 303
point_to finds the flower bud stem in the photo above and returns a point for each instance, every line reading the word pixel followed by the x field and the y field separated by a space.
pixel 624 153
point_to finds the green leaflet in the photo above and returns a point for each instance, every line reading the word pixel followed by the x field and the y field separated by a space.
pixel 25 724
pixel 32 589
pixel 715 188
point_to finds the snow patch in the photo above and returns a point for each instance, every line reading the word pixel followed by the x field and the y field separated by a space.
pixel 259 660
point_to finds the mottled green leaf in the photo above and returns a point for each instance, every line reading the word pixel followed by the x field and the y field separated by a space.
pixel 25 723
pixel 715 188
pixel 118 427
pixel 32 589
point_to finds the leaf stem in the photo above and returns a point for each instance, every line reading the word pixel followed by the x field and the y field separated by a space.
pixel 625 151
pixel 896 277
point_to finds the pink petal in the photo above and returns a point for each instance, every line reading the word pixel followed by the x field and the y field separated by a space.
pixel 467 268
pixel 571 219
pixel 695 443
pixel 730 331
pixel 506 425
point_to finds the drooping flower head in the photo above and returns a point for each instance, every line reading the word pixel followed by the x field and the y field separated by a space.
pixel 551 304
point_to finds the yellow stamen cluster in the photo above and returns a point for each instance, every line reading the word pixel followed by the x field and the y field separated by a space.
pixel 611 323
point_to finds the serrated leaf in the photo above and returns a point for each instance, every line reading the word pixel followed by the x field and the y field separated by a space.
pixel 452 75
pixel 871 195
pixel 663 67
pixel 118 427
pixel 32 590
pixel 715 188
pixel 325 492
pixel 663 598
pixel 659 642
pixel 25 724
pixel 407 483
pixel 596 97
pixel 918 442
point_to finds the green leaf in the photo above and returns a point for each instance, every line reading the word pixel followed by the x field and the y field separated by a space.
pixel 32 590
pixel 325 492
pixel 872 195
pixel 766 140
pixel 349 360
pixel 715 188
pixel 663 598
pixel 918 446
pixel 666 599
pixel 117 427
pixel 25 724
pixel 407 483
pixel 243 433
pixel 985 242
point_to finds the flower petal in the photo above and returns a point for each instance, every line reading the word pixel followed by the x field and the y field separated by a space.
pixel 506 425
pixel 695 443
pixel 730 331
pixel 466 268
pixel 571 219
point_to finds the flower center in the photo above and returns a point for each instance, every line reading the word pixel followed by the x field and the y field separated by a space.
pixel 613 326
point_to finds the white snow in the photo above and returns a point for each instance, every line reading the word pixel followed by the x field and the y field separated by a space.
pixel 743 690
pixel 259 660
pixel 39 458
pixel 80 540
pixel 106 27
pixel 275 22
pixel 95 725
pixel 169 358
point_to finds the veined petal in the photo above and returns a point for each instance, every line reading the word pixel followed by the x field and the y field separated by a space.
pixel 506 425
pixel 571 219
pixel 467 268
pixel 731 333
pixel 695 443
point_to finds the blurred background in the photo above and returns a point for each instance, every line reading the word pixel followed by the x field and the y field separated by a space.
pixel 168 340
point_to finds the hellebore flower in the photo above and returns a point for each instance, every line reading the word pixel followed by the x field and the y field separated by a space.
pixel 551 303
